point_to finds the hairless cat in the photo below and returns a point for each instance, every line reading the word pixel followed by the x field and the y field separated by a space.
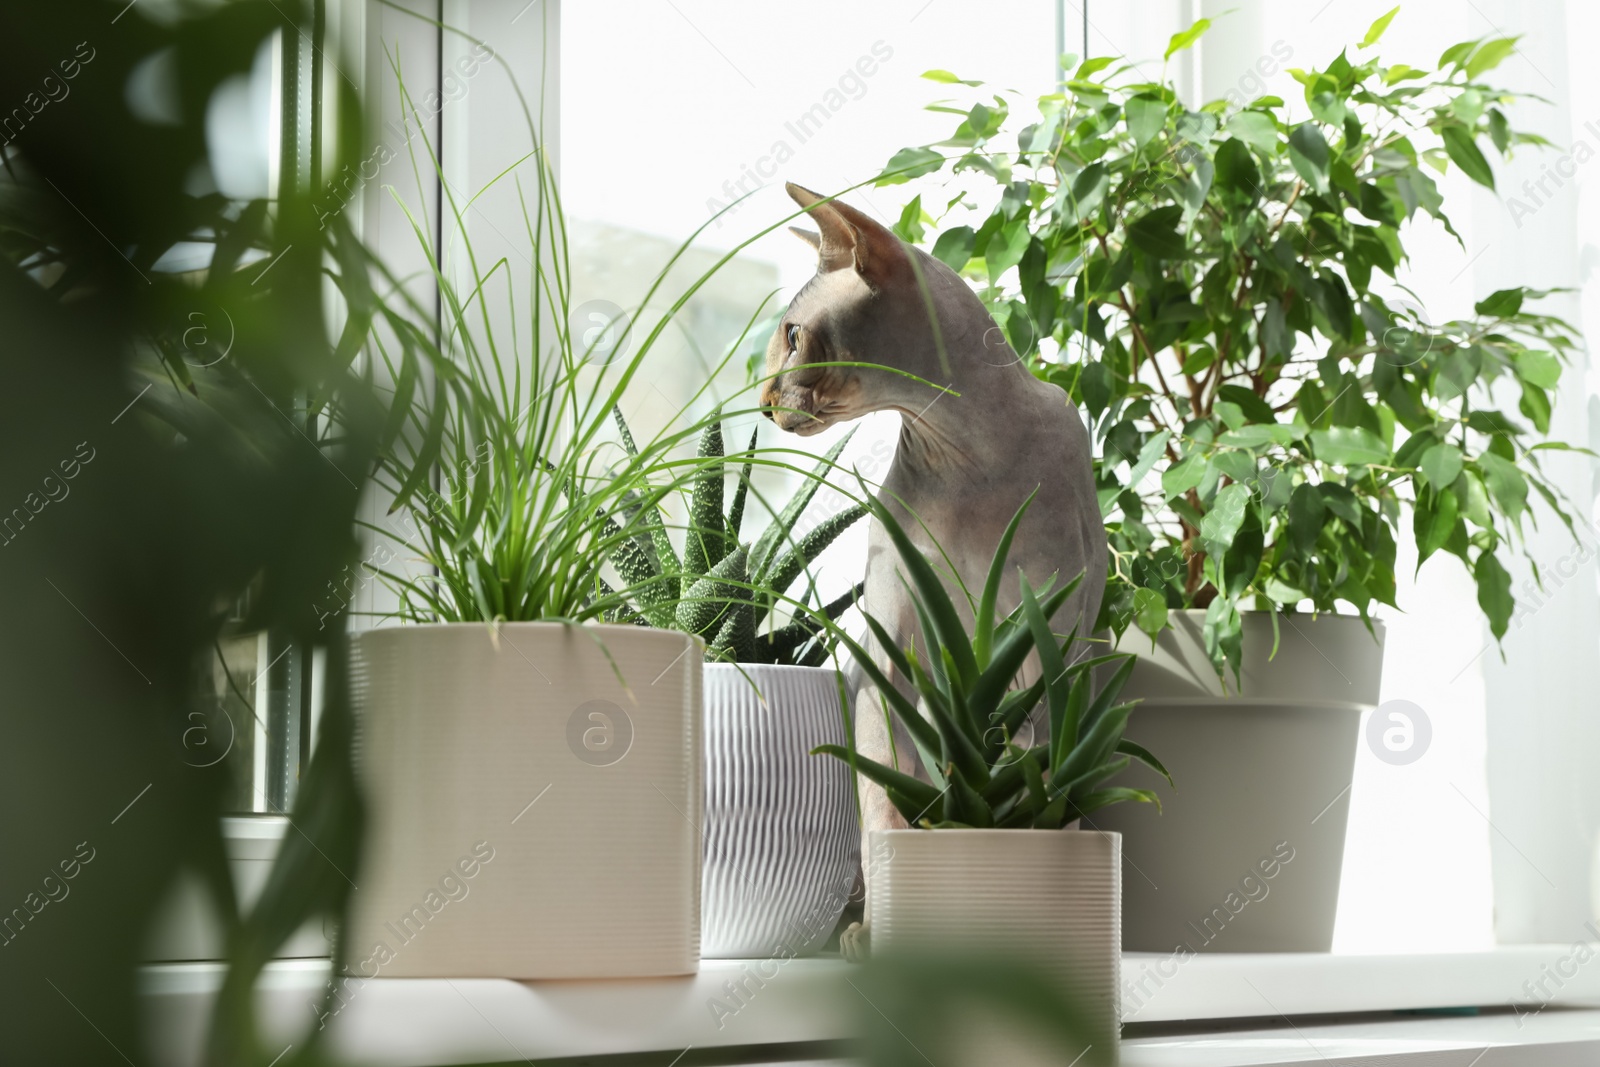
pixel 978 433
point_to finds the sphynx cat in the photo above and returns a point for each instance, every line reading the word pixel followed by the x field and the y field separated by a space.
pixel 972 445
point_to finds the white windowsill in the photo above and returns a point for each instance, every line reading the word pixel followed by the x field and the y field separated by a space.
pixel 429 1022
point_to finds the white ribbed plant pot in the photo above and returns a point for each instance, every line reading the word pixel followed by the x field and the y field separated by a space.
pixel 781 844
pixel 530 815
pixel 1052 896
pixel 1248 850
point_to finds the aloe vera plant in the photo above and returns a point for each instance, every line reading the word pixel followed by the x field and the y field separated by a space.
pixel 976 739
pixel 724 590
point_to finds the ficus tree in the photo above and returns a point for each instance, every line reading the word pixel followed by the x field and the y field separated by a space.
pixel 1219 289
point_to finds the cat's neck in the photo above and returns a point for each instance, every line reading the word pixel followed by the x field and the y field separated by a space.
pixel 977 424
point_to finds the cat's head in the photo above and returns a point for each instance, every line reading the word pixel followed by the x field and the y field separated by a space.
pixel 872 301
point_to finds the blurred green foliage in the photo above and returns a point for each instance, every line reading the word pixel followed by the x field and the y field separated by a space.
pixel 207 482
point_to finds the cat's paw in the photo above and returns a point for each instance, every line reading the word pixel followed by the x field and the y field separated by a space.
pixel 856 942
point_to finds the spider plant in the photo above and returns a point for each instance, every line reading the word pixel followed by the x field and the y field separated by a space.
pixel 976 736
pixel 722 589
pixel 510 411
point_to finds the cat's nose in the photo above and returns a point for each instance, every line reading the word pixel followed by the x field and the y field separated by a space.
pixel 768 413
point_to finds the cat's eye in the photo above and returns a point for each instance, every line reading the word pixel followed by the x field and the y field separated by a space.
pixel 794 338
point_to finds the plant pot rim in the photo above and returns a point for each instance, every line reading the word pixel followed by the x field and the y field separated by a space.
pixel 779 667
pixel 1307 616
pixel 997 830
pixel 543 624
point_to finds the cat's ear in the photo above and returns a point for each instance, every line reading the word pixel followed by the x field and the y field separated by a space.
pixel 850 239
pixel 810 237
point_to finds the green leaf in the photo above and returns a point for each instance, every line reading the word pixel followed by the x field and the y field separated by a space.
pixel 1499 130
pixel 1093 66
pixel 1349 446
pixel 1149 456
pixel 1494 592
pixel 916 790
pixel 1441 464
pixel 1156 233
pixel 1433 523
pixel 1005 248
pixel 789 565
pixel 1255 128
pixel 781 529
pixel 1308 152
pixel 1090 803
pixel 983 629
pixel 708 601
pixel 1222 522
pixel 1257 409
pixel 1538 368
pixel 705 543
pixel 944 77
pixel 910 163
pixel 1463 150
pixel 954 247
pixel 909 226
pixel 1149 611
pixel 1095 382
pixel 1474 499
pixel 1305 517
pixel 1236 167
pixel 741 490
pixel 1184 38
pixel 1507 486
pixel 1490 55
pixel 1143 755
pixel 1375 31
pixel 1456 54
pixel 1342 502
pixel 1535 404
pixel 1257 435
pixel 1146 113
pixel 1060 687
pixel 1500 304
pixel 948 630
pixel 1197 127
pixel 1088 190
pixel 1178 480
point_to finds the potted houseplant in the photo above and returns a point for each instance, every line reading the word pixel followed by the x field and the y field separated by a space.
pixel 1216 287
pixel 781 844
pixel 996 859
pixel 533 764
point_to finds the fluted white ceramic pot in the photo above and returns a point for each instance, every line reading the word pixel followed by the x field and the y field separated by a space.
pixel 534 797
pixel 781 843
pixel 1053 897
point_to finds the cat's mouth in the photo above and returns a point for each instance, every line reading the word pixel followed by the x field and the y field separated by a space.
pixel 800 409
pixel 793 407
pixel 801 419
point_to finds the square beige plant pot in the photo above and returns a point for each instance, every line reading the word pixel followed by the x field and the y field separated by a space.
pixel 1051 897
pixel 535 795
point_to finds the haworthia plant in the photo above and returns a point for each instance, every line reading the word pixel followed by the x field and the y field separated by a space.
pixel 722 589
pixel 970 729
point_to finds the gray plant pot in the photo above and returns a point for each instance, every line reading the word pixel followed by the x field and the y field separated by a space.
pixel 781 840
pixel 1246 855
